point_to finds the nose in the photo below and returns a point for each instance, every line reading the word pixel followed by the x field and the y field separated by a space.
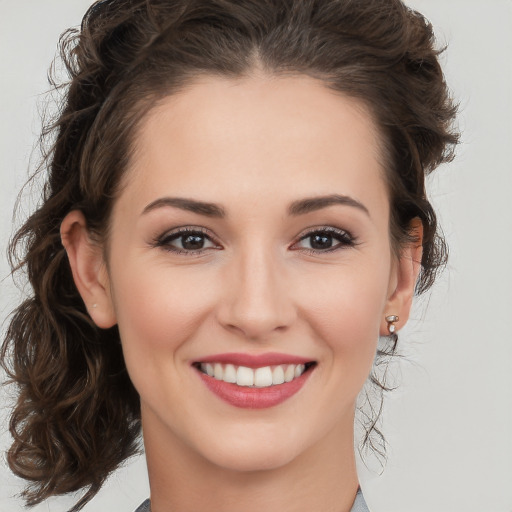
pixel 256 299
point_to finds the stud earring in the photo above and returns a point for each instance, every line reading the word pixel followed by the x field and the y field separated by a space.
pixel 94 306
pixel 391 319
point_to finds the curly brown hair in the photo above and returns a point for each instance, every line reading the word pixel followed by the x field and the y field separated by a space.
pixel 77 416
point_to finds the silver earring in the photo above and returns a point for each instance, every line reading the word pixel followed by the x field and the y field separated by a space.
pixel 94 306
pixel 391 319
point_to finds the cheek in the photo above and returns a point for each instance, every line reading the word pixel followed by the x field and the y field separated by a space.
pixel 346 311
pixel 158 310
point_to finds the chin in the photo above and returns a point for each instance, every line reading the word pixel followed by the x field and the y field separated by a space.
pixel 248 449
pixel 252 458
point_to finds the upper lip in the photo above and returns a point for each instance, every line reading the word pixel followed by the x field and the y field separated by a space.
pixel 254 360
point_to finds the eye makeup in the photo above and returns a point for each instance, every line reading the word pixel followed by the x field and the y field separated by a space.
pixel 321 240
pixel 195 240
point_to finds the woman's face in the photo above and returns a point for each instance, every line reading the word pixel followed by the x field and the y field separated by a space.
pixel 252 231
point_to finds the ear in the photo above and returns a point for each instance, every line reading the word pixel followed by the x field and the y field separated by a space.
pixel 404 280
pixel 89 269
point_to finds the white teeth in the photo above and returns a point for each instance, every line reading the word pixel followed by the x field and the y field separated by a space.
pixel 229 374
pixel 245 376
pixel 217 371
pixel 278 375
pixel 289 374
pixel 263 377
pixel 259 377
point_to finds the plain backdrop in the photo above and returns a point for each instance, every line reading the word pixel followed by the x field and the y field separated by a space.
pixel 449 425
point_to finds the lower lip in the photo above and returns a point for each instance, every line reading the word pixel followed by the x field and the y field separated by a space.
pixel 254 398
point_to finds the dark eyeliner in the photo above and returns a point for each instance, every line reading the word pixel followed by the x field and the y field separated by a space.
pixel 344 237
pixel 163 241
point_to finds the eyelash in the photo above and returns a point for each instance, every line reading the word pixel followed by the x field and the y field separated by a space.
pixel 344 237
pixel 165 240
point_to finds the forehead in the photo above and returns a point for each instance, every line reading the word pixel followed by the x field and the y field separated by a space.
pixel 237 138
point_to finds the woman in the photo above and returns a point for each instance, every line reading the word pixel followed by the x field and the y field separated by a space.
pixel 235 212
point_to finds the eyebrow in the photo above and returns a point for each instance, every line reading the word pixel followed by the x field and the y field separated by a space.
pixel 312 204
pixel 299 207
pixel 191 205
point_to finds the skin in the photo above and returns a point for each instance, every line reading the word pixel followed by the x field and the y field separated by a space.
pixel 253 146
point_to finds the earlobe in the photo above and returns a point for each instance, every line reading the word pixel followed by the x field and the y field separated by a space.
pixel 408 268
pixel 89 269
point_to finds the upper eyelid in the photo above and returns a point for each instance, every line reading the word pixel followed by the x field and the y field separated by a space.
pixel 206 231
pixel 186 229
pixel 319 229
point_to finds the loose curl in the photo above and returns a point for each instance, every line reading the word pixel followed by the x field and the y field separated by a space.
pixel 78 415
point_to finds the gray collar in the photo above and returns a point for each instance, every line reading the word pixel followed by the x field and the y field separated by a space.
pixel 359 503
pixel 358 506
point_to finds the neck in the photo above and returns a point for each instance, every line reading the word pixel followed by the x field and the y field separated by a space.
pixel 322 478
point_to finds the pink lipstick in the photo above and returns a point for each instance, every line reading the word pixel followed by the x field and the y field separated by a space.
pixel 254 381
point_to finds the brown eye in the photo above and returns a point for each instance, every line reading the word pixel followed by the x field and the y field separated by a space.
pixel 186 241
pixel 321 241
pixel 192 242
pixel 325 240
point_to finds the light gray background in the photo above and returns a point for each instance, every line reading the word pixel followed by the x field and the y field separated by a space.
pixel 449 425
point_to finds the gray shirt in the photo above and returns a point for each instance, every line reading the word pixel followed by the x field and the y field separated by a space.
pixel 358 506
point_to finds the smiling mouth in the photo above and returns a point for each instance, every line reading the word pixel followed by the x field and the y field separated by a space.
pixel 263 377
